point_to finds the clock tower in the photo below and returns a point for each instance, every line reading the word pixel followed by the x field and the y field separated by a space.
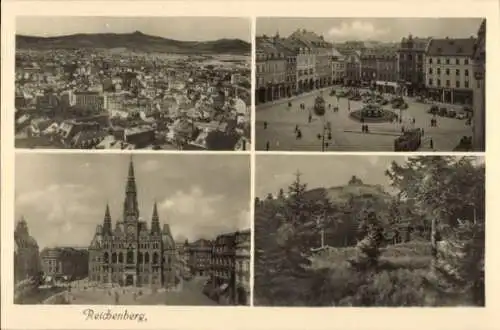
pixel 130 206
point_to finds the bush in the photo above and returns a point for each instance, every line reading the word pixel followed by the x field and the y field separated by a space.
pixel 345 286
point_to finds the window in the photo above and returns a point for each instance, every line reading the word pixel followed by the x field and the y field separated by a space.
pixel 466 72
pixel 130 257
pixel 466 61
pixel 466 84
pixel 430 81
pixel 457 72
pixel 410 57
pixel 438 71
pixel 438 61
pixel 430 70
pixel 447 61
pixel 439 82
pixel 447 83
pixel 457 61
pixel 457 84
pixel 447 72
pixel 430 60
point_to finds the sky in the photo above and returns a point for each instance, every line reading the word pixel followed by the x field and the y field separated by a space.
pixel 178 28
pixel 275 172
pixel 63 196
pixel 380 29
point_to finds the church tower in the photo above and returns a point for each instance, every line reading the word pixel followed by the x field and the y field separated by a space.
pixel 130 205
pixel 106 228
pixel 155 221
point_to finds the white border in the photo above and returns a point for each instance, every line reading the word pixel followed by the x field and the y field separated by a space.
pixel 167 317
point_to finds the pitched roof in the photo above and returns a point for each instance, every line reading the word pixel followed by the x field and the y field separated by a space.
pixel 264 45
pixel 451 47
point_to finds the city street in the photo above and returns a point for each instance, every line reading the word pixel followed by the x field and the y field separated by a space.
pixel 189 293
pixel 346 132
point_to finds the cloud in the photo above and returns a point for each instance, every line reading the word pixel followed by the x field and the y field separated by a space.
pixel 357 30
pixel 194 214
pixel 61 210
pixel 192 202
pixel 150 165
pixel 243 219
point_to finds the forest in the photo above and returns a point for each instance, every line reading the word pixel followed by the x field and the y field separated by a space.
pixel 419 241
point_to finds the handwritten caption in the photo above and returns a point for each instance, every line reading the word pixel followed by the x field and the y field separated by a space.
pixel 109 315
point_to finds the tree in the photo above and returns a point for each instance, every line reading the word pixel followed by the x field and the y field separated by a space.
pixel 281 248
pixel 451 192
pixel 281 194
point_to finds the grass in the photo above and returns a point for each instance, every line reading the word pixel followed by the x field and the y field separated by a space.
pixel 397 281
pixel 411 255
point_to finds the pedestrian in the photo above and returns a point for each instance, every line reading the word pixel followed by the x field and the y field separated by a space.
pixel 265 125
pixel 299 134
pixel 310 118
pixel 296 128
pixel 413 120
pixel 366 129
pixel 431 143
pixel 267 146
pixel 402 129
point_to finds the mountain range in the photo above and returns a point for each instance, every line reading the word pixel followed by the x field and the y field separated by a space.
pixel 136 41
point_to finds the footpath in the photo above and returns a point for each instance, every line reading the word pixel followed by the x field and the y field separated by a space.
pixel 293 98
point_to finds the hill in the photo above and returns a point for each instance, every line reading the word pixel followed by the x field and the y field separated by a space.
pixel 136 41
pixel 342 194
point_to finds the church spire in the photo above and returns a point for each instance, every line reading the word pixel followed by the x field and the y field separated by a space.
pixel 155 221
pixel 130 205
pixel 107 221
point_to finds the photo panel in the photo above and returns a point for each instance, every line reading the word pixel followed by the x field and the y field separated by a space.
pixel 154 83
pixel 369 231
pixel 370 84
pixel 157 229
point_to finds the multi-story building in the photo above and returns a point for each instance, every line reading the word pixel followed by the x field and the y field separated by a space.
pixel 223 255
pixel 353 68
pixel 411 62
pixel 387 70
pixel 289 49
pixel 223 274
pixel 270 71
pixel 90 100
pixel 315 60
pixel 200 255
pixel 368 67
pixel 242 267
pixel 68 262
pixel 26 253
pixel 182 253
pixel 479 99
pixel 338 67
pixel 47 101
pixel 132 254
pixel 448 70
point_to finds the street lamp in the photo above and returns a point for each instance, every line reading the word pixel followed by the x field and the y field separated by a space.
pixel 320 111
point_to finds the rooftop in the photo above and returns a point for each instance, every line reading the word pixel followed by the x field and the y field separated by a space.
pixel 451 47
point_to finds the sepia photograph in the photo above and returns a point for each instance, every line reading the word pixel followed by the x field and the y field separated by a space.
pixel 370 84
pixel 157 83
pixel 116 229
pixel 369 231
